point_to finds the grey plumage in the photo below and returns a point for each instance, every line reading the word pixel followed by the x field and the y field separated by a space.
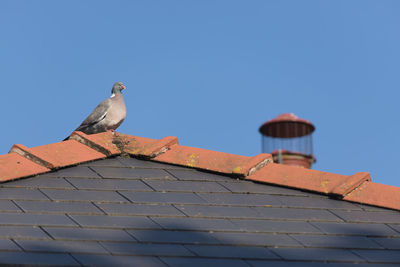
pixel 108 115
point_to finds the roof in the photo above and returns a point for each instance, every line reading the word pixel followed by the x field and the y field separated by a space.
pixel 146 202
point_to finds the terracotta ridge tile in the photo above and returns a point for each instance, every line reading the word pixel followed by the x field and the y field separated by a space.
pixel 376 194
pixel 351 183
pixel 14 166
pixel 113 143
pixel 60 154
pixel 213 160
pixel 24 152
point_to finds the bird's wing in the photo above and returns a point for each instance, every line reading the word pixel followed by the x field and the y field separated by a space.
pixel 98 114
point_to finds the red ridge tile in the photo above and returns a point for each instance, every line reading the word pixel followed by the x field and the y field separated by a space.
pixel 213 160
pixel 102 142
pixel 381 195
pixel 300 178
pixel 14 166
pixel 350 183
pixel 59 154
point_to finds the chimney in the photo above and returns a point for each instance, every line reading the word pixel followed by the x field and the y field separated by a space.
pixel 289 139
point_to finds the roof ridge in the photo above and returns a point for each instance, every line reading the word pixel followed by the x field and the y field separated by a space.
pixel 24 162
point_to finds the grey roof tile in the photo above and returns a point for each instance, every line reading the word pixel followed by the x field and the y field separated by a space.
pixel 320 254
pixel 296 214
pixel 88 234
pixel 105 221
pixel 140 209
pixel 164 197
pixel 367 229
pixel 232 252
pixel 130 173
pixel 395 227
pixel 109 184
pixel 367 216
pixel 21 193
pixel 106 260
pixel 201 262
pixel 334 241
pixel 61 246
pixel 34 259
pixel 390 256
pixel 186 186
pixel 83 195
pixel 77 171
pixel 389 243
pixel 136 163
pixel 241 199
pixel 255 239
pixel 194 175
pixel 35 219
pixel 58 207
pixel 40 182
pixel 218 211
pixel 118 248
pixel 316 202
pixel 110 162
pixel 18 232
pixel 275 226
pixel 8 205
pixel 201 224
pixel 167 236
pixel 6 244
pixel 261 263
pixel 249 187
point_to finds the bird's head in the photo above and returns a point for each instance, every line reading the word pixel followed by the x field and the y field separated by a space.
pixel 118 87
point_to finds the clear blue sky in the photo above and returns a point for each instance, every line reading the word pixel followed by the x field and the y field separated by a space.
pixel 210 73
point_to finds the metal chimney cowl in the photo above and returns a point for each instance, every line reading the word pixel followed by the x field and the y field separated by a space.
pixel 289 139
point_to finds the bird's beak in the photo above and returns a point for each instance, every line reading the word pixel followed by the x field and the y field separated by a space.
pixel 123 87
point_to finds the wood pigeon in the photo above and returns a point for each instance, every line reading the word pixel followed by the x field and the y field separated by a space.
pixel 108 115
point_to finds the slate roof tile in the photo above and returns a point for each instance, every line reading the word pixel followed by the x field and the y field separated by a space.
pixel 164 197
pixel 201 224
pixel 35 259
pixel 128 173
pixel 256 239
pixel 88 234
pixel 241 199
pixel 218 211
pixel 142 249
pixel 61 246
pixel 109 184
pixel 334 241
pixel 366 216
pixel 389 243
pixel 40 182
pixel 168 236
pixel 22 193
pixel 232 252
pixel 136 163
pixel 140 209
pixel 83 195
pixel 269 226
pixel 317 254
pixel 7 244
pixel 22 232
pixel 35 219
pixel 365 229
pixel 108 260
pixel 201 262
pixel 194 175
pixel 186 186
pixel 382 256
pixel 249 187
pixel 107 221
pixel 77 171
pixel 296 214
pixel 8 206
pixel 58 207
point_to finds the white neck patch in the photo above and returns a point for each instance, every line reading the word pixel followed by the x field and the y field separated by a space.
pixel 112 95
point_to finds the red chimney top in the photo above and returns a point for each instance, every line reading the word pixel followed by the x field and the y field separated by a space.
pixel 288 138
